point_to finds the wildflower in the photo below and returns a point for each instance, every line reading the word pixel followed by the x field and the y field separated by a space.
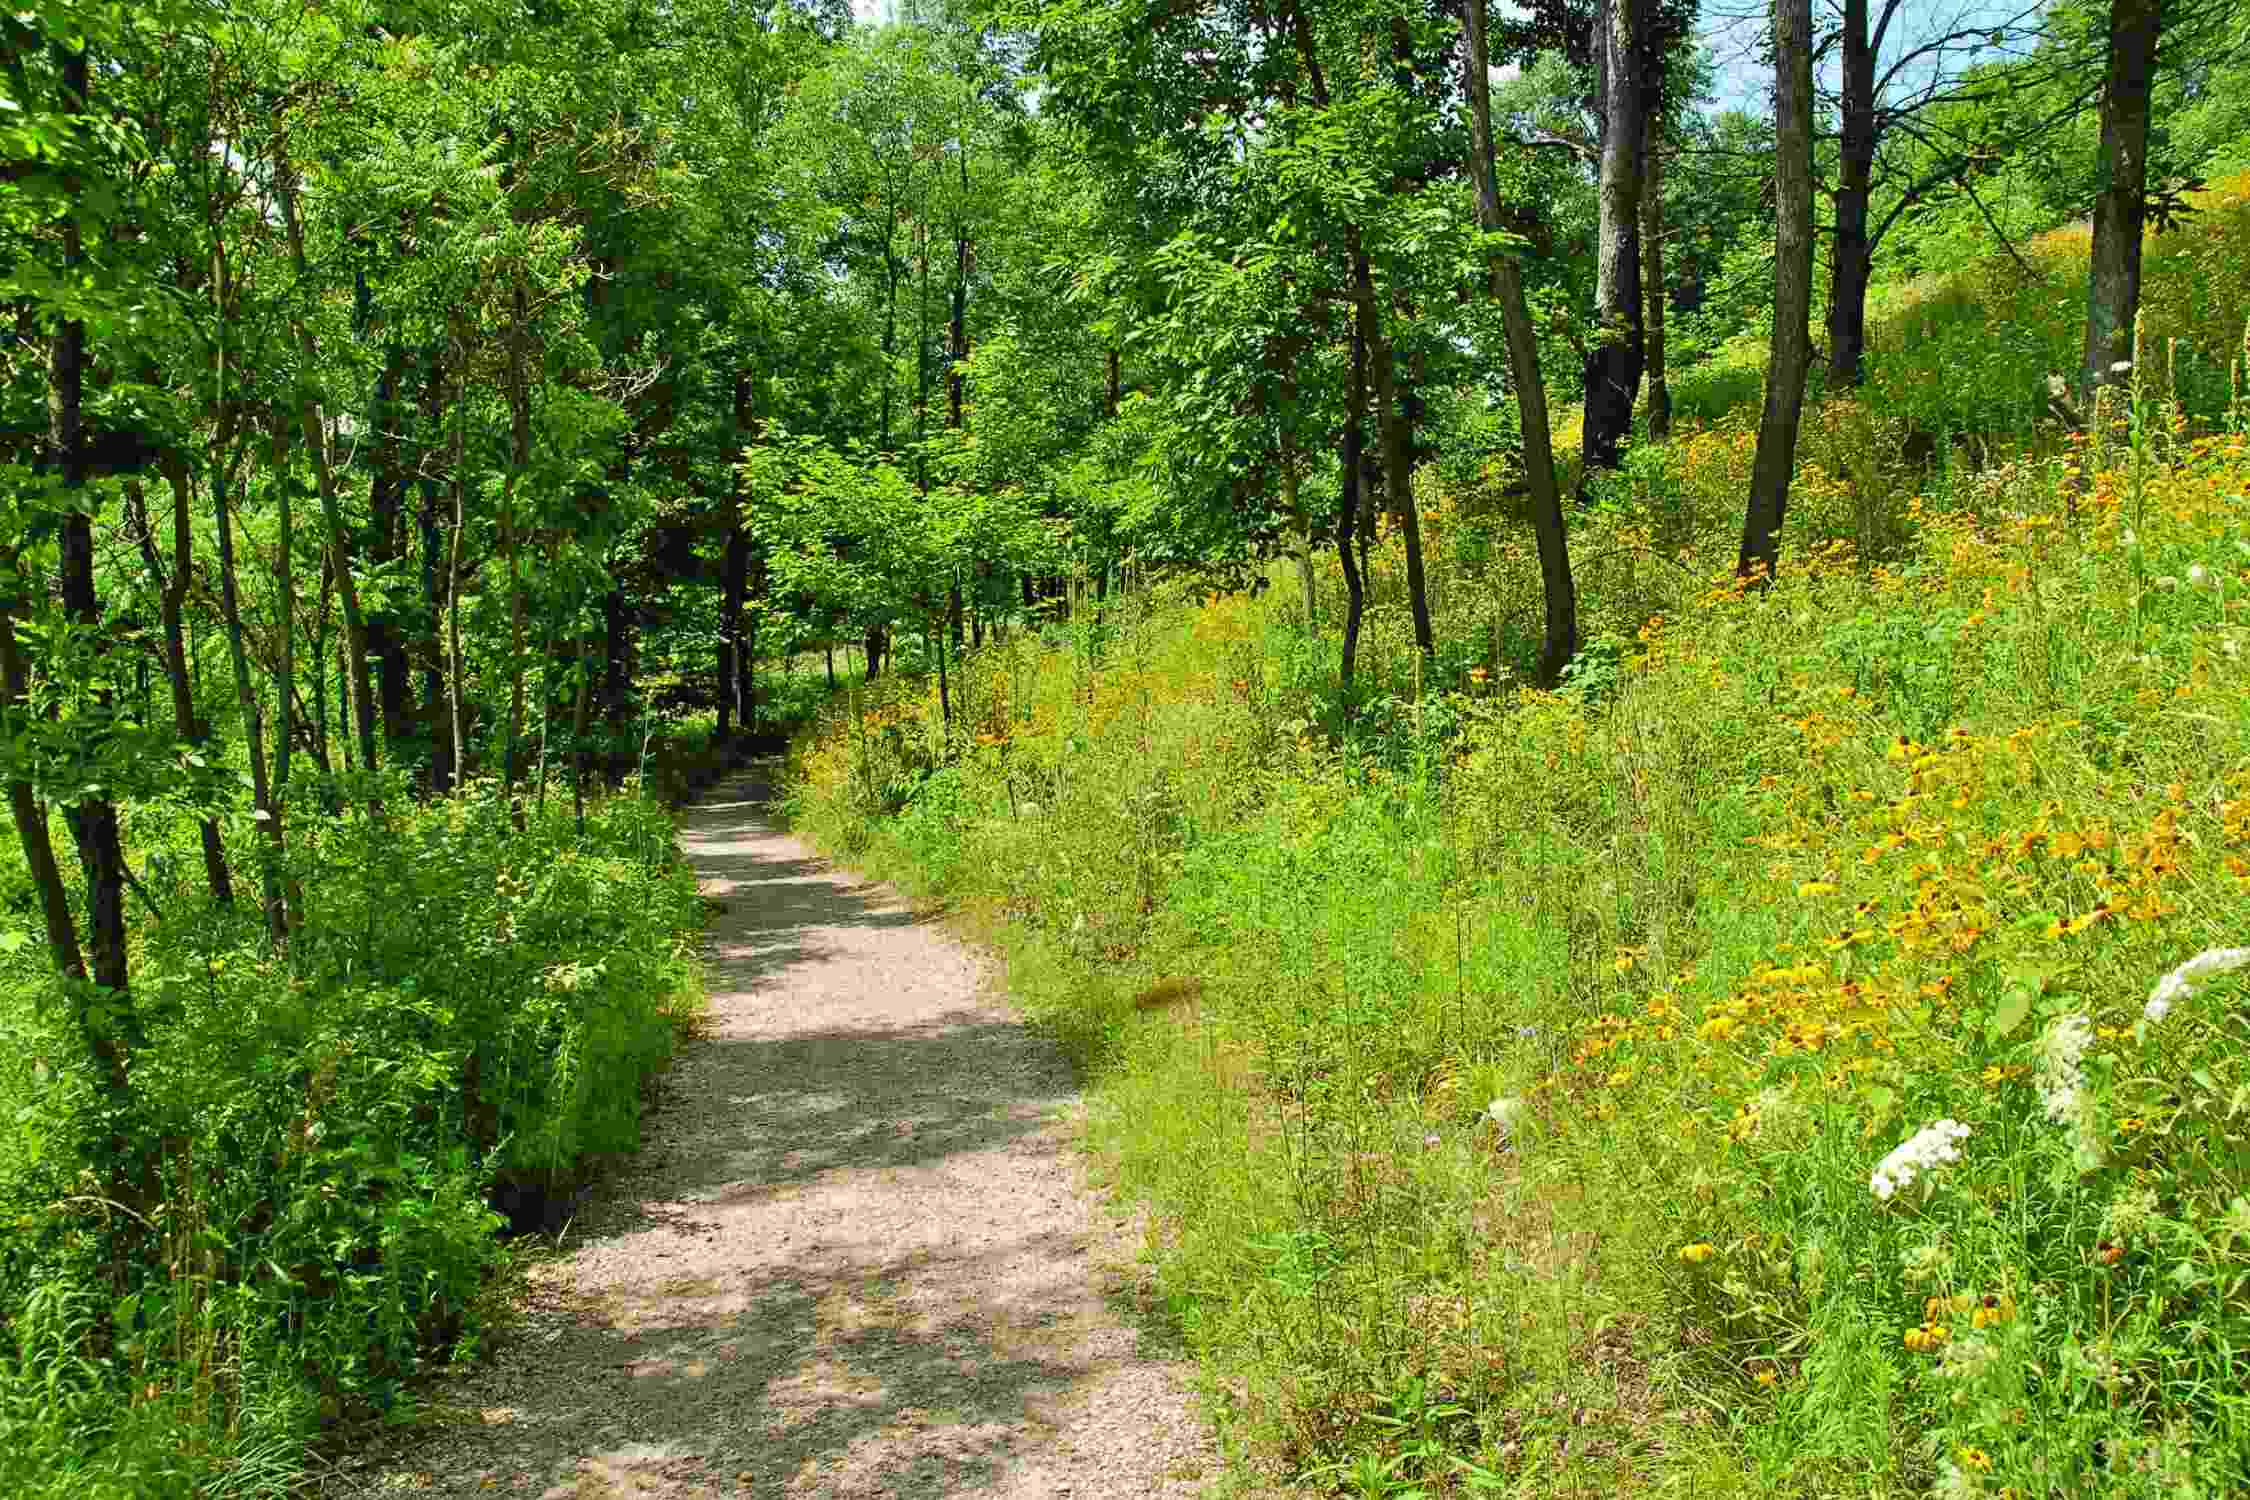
pixel 2200 578
pixel 1927 1339
pixel 1697 1254
pixel 1928 1149
pixel 2061 1080
pixel 1767 1377
pixel 1503 1113
pixel 2185 980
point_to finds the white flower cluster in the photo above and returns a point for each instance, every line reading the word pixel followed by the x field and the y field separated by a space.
pixel 1503 1113
pixel 1923 1153
pixel 2062 1087
pixel 2062 1082
pixel 2190 977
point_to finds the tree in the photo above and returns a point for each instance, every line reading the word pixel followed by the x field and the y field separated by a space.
pixel 1790 357
pixel 2113 280
pixel 1561 641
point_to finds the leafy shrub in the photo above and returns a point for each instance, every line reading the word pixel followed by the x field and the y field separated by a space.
pixel 465 1005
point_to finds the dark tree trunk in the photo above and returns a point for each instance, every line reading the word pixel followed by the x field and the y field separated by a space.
pixel 1613 361
pixel 1791 353
pixel 111 1027
pixel 890 341
pixel 2113 283
pixel 1558 589
pixel 511 540
pixel 1348 502
pixel 877 647
pixel 1852 257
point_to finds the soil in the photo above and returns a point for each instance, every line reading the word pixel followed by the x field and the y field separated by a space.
pixel 856 1255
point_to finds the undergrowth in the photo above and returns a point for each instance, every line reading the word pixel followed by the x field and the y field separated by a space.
pixel 466 1015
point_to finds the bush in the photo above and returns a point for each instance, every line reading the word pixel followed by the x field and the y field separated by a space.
pixel 467 1011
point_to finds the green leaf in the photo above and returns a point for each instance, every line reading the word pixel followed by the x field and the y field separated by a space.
pixel 2012 1010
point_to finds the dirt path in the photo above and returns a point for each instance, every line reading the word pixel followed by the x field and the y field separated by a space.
pixel 855 1257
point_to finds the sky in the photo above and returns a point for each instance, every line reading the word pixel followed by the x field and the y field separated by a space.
pixel 1733 30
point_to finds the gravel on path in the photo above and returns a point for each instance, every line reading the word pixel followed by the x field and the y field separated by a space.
pixel 855 1257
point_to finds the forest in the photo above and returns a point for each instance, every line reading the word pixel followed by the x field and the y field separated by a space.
pixel 1587 655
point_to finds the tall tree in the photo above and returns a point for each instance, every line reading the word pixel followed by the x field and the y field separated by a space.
pixel 1615 356
pixel 2113 281
pixel 1558 590
pixel 1790 356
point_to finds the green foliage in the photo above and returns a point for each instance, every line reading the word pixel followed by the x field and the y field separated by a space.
pixel 465 1006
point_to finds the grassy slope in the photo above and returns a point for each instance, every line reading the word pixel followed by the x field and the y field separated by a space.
pixel 1783 880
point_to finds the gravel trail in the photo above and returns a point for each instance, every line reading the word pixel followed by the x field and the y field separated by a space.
pixel 855 1257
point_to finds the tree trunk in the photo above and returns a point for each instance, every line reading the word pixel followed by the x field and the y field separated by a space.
pixel 171 599
pixel 579 721
pixel 23 802
pixel 93 819
pixel 2113 283
pixel 746 655
pixel 1547 523
pixel 511 544
pixel 1347 517
pixel 453 671
pixel 1398 453
pixel 1658 400
pixel 433 598
pixel 958 345
pixel 890 342
pixel 1852 258
pixel 245 693
pixel 386 636
pixel 285 611
pixel 1613 361
pixel 1791 352
pixel 734 568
